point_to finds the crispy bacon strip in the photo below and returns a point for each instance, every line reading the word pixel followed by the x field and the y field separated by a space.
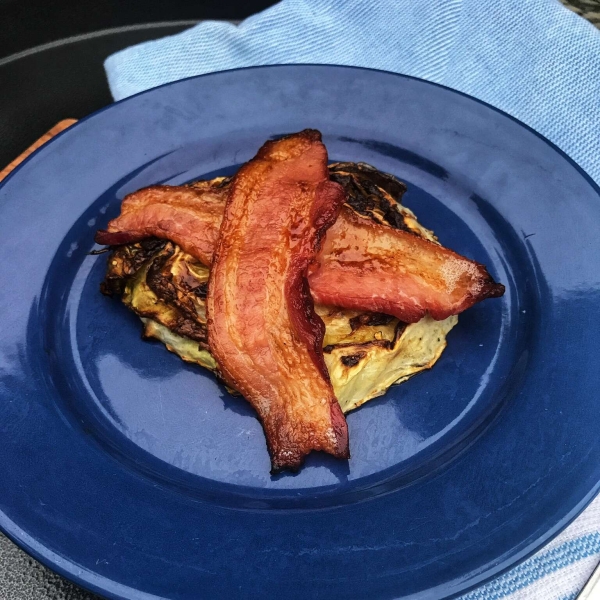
pixel 363 265
pixel 188 216
pixel 262 328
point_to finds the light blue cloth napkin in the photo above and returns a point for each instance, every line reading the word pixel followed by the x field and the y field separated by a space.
pixel 534 59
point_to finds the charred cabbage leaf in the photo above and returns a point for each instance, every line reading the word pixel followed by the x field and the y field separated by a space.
pixel 364 352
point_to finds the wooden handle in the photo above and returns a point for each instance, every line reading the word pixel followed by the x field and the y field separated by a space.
pixel 47 136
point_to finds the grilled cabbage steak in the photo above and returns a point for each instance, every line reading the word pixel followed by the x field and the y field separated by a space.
pixel 365 352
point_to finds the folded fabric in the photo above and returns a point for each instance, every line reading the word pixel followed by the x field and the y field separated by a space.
pixel 534 59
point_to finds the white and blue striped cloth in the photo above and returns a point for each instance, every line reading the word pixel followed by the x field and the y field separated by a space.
pixel 534 59
pixel 558 571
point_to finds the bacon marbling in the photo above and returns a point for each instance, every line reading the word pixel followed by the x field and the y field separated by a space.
pixel 188 216
pixel 262 328
pixel 363 265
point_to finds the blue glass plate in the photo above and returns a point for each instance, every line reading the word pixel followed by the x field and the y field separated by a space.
pixel 139 477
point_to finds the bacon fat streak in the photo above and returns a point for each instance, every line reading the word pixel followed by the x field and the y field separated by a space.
pixel 262 328
pixel 363 265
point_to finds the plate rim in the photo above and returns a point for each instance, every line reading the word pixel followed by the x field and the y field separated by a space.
pixel 95 583
pixel 595 185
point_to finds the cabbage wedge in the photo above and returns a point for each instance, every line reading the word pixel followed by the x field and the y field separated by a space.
pixel 365 353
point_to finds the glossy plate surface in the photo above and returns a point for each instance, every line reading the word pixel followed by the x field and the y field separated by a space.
pixel 138 476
